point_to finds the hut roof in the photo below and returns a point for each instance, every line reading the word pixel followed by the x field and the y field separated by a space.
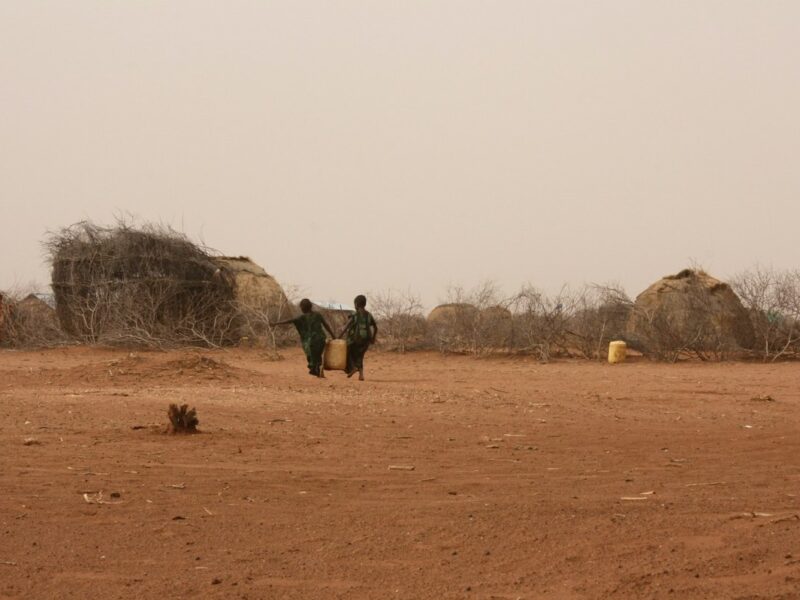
pixel 240 264
pixel 48 300
pixel 692 300
pixel 683 280
pixel 451 310
pixel 253 286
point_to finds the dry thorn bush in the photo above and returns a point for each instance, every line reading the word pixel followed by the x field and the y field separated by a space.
pixel 182 419
pixel 772 299
pixel 599 315
pixel 146 286
pixel 28 322
pixel 400 319
pixel 474 321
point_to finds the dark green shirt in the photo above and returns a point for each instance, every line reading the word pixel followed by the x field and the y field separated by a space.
pixel 309 326
pixel 359 329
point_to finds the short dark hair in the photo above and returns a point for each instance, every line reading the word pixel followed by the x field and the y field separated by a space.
pixel 305 305
pixel 360 301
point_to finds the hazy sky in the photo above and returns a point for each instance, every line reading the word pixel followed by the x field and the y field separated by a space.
pixel 358 146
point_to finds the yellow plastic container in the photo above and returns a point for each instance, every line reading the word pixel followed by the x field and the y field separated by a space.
pixel 335 358
pixel 617 351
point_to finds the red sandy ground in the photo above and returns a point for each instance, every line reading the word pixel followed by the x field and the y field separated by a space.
pixel 520 476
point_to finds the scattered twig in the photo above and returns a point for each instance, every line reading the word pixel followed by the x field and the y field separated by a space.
pixel 763 398
pixel 705 484
pixel 98 499
pixel 794 517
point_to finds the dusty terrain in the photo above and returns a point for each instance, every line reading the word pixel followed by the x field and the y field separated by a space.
pixel 567 480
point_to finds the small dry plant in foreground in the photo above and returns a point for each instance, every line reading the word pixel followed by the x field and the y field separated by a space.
pixel 182 419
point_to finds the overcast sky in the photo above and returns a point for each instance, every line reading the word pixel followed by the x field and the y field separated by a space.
pixel 359 146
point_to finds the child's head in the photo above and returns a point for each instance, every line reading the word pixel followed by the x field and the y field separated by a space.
pixel 305 305
pixel 360 301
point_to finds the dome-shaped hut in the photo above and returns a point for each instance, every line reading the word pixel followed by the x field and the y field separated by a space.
pixel 257 296
pixel 253 288
pixel 448 313
pixel 451 326
pixel 152 285
pixel 690 311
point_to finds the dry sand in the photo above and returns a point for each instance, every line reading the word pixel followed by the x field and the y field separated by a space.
pixel 567 480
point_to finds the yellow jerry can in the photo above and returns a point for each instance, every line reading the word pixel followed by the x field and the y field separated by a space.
pixel 616 351
pixel 335 358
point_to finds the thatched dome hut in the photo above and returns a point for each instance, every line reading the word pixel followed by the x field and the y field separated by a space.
pixel 127 284
pixel 253 288
pixel 445 314
pixel 452 326
pixel 462 326
pixel 691 309
pixel 152 285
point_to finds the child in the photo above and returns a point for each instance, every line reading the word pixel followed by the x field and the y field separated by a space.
pixel 361 331
pixel 309 325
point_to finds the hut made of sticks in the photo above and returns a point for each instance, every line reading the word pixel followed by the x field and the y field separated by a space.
pixel 146 284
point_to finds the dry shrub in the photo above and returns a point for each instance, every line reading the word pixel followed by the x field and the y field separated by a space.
pixel 182 419
pixel 772 299
pixel 27 321
pixel 471 321
pixel 400 319
pixel 571 322
pixel 599 315
pixel 541 321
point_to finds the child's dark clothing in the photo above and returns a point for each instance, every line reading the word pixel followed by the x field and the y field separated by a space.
pixel 312 335
pixel 359 337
